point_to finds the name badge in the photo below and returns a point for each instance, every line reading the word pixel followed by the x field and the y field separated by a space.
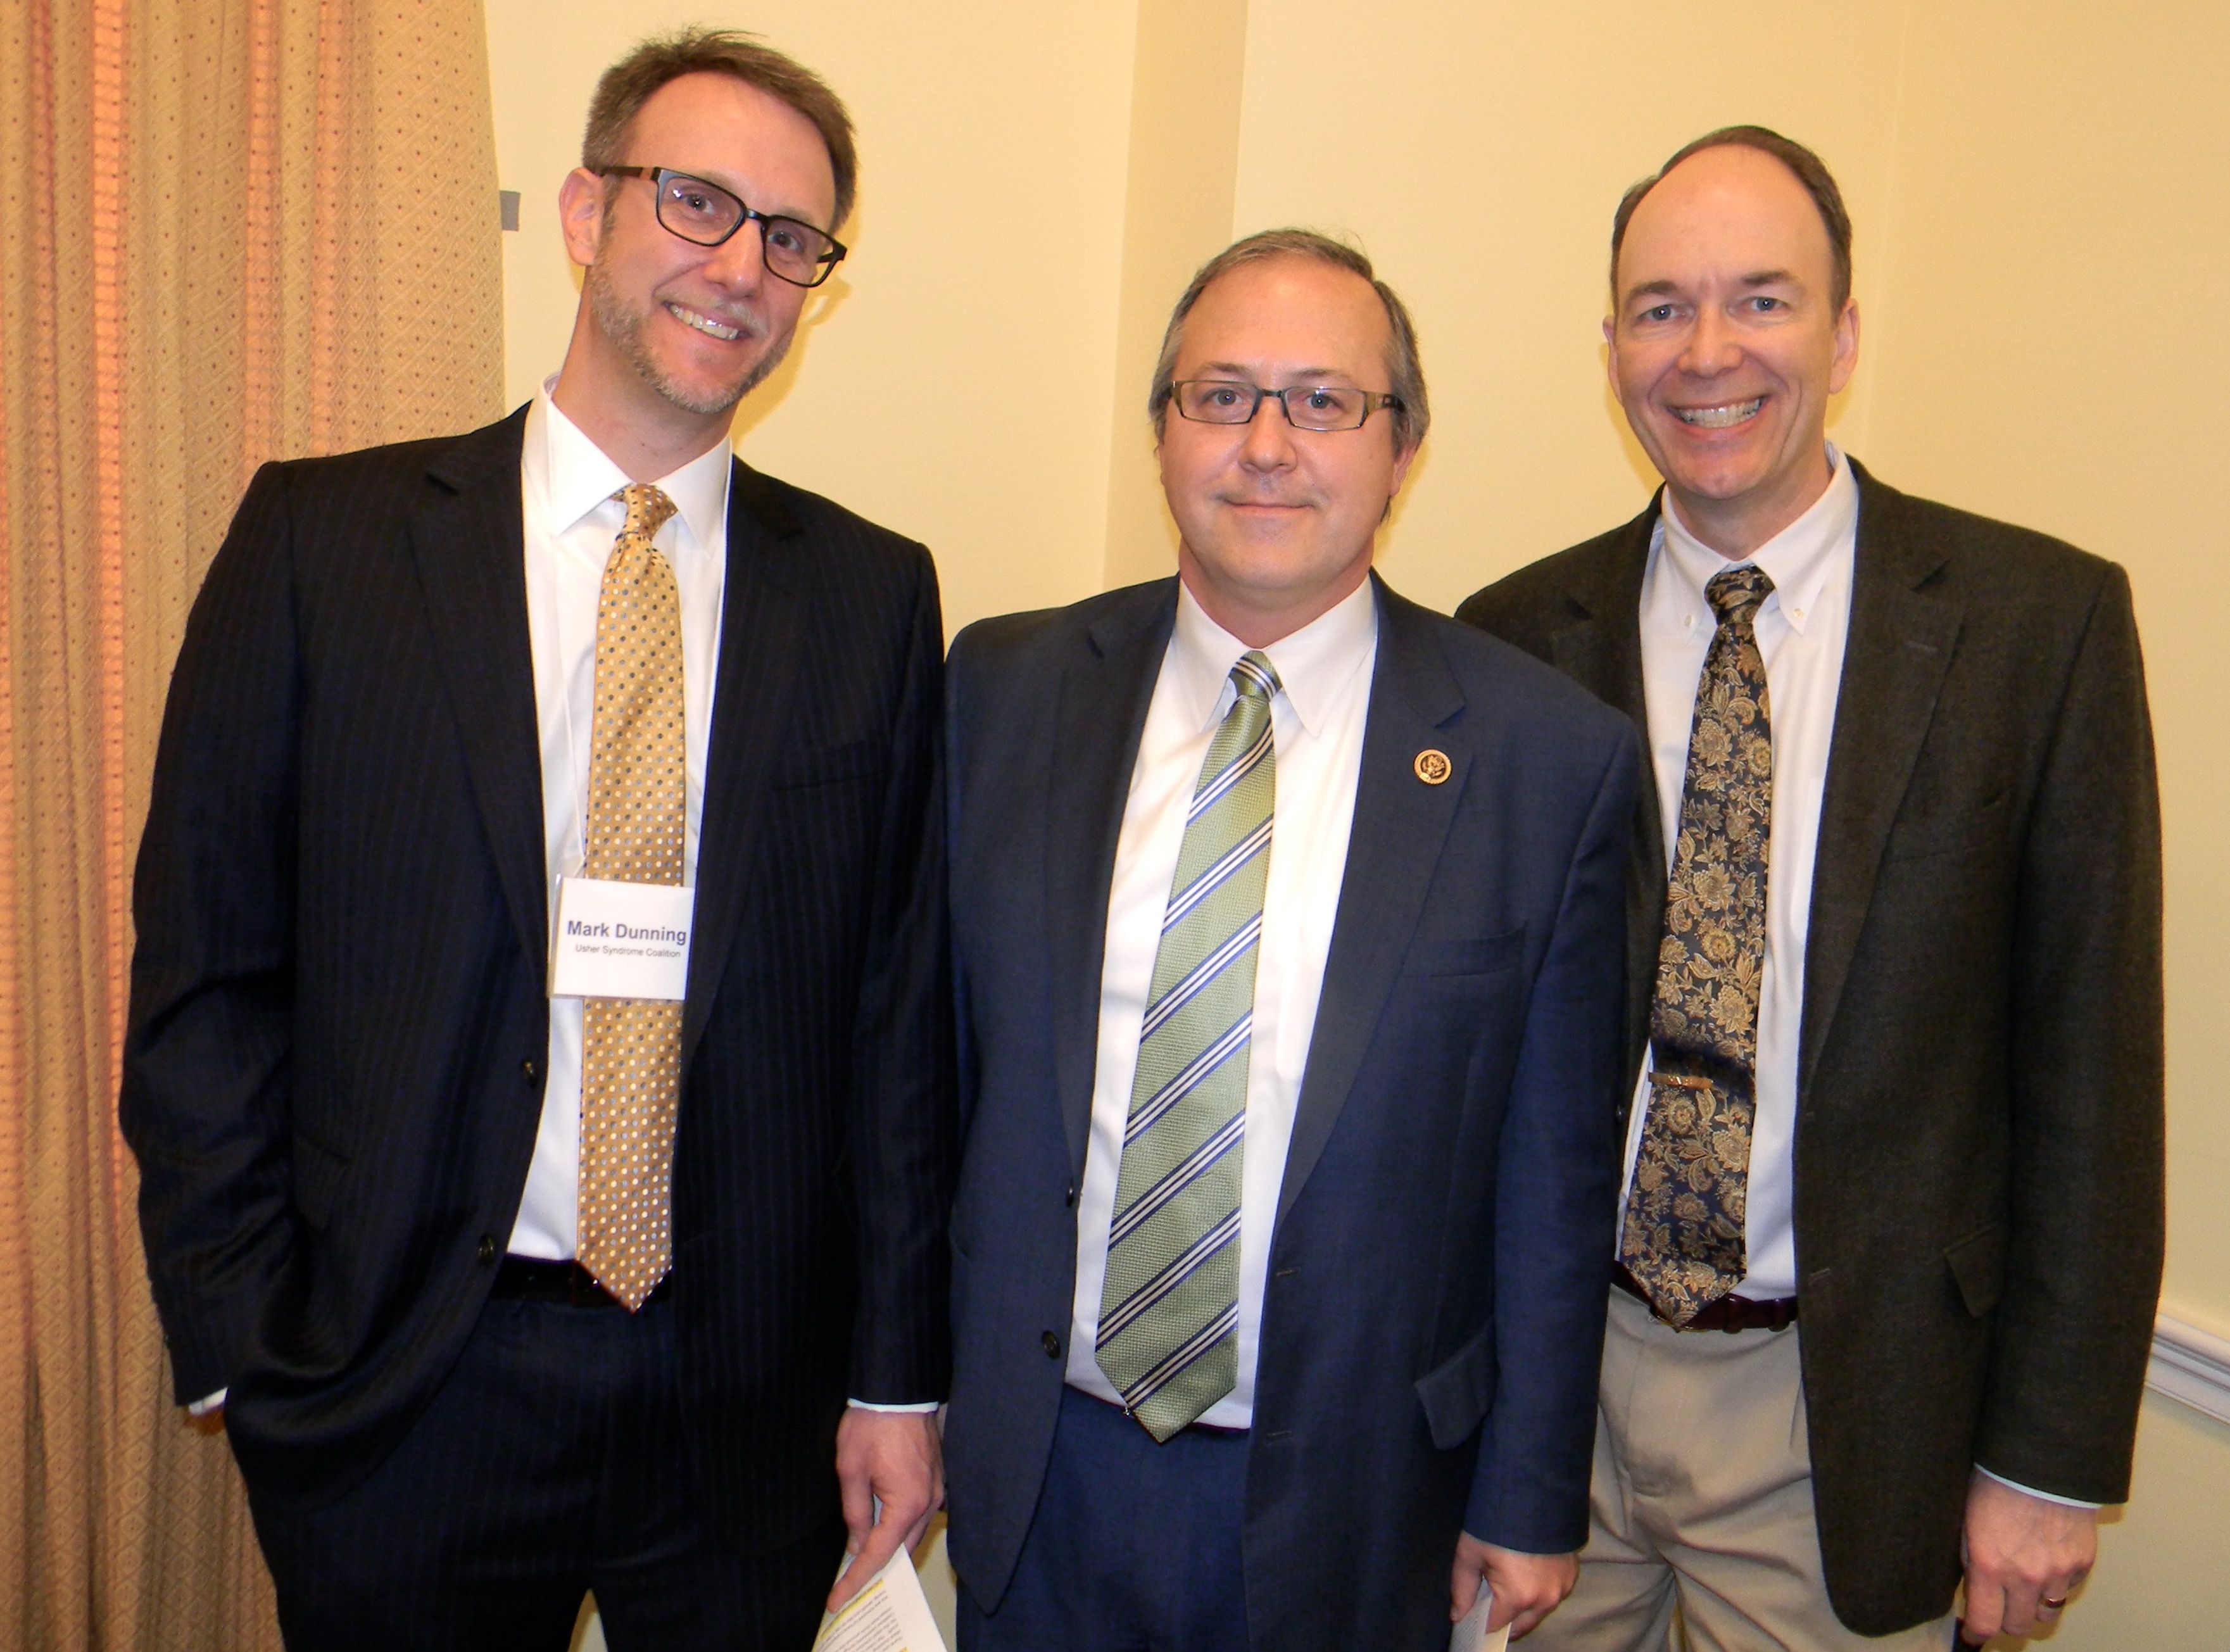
pixel 620 940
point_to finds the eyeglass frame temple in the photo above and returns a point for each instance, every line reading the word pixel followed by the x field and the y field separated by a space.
pixel 825 263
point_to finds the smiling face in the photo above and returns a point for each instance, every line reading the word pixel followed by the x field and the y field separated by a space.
pixel 1726 344
pixel 671 335
pixel 1275 525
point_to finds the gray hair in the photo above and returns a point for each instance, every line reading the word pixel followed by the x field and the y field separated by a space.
pixel 1404 368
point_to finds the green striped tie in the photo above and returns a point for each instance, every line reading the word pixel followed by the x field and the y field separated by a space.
pixel 1168 1312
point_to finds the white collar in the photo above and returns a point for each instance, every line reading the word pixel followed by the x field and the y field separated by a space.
pixel 1799 559
pixel 1315 665
pixel 574 476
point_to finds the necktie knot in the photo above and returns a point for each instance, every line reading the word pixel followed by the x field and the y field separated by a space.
pixel 648 509
pixel 1255 677
pixel 1735 594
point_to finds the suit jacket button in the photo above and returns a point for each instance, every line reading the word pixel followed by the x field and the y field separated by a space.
pixel 526 1069
pixel 486 1252
pixel 1052 1345
pixel 1069 1197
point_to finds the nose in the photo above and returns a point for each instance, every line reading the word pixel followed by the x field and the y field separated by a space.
pixel 1711 346
pixel 739 262
pixel 1269 441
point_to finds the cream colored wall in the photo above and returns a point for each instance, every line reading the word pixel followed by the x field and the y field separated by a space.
pixel 2042 259
pixel 994 149
pixel 2043 269
pixel 2052 348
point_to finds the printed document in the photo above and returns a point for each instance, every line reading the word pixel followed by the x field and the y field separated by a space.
pixel 890 1615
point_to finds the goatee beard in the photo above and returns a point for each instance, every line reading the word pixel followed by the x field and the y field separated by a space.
pixel 623 327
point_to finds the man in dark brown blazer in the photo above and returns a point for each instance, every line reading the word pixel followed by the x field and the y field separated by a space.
pixel 1886 1265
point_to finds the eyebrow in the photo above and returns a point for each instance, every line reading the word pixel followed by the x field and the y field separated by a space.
pixel 1238 370
pixel 1755 278
pixel 799 215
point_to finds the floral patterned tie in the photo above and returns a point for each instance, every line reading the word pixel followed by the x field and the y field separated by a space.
pixel 631 1047
pixel 1682 1237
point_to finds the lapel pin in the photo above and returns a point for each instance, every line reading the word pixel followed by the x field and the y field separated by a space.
pixel 1432 766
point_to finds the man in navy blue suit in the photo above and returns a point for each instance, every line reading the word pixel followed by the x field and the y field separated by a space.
pixel 1288 927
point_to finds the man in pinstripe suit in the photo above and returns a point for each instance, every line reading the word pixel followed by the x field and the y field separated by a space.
pixel 507 1297
pixel 1287 922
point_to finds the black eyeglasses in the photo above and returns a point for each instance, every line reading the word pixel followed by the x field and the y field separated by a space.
pixel 1307 407
pixel 708 215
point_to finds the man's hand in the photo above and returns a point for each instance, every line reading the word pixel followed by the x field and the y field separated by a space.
pixel 2025 1555
pixel 1526 1586
pixel 895 1457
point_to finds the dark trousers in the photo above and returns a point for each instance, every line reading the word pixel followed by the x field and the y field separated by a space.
pixel 1134 1546
pixel 552 1461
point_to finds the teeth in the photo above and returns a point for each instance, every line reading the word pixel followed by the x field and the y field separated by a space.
pixel 703 323
pixel 1719 418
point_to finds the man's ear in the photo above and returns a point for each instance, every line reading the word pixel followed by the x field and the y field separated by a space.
pixel 1846 347
pixel 1401 462
pixel 581 214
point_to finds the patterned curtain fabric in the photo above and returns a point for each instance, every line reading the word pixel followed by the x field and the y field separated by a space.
pixel 229 230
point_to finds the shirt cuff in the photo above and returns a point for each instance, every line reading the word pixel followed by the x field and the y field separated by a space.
pixel 2041 1496
pixel 207 1404
pixel 921 1407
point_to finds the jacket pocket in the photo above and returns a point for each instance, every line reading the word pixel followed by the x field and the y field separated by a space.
pixel 1483 957
pixel 1978 1266
pixel 1460 1391
pixel 319 1173
pixel 1956 833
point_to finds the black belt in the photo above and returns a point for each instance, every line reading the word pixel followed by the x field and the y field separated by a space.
pixel 530 1278
pixel 1728 1313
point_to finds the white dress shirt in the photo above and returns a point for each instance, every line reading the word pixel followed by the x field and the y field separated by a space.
pixel 566 486
pixel 1316 719
pixel 1800 626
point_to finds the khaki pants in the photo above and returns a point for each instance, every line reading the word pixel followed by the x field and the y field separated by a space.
pixel 1702 1535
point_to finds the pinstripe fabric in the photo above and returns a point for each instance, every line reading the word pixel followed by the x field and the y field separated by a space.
pixel 1169 1313
pixel 334 1073
pixel 553 1461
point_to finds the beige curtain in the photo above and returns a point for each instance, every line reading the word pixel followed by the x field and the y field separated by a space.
pixel 230 229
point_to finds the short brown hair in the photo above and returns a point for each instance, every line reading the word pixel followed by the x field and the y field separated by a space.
pixel 1403 366
pixel 1811 171
pixel 629 84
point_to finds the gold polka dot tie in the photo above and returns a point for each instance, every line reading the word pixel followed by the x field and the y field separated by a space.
pixel 631 1047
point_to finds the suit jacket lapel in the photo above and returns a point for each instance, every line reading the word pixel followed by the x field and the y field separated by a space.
pixel 1099 717
pixel 468 539
pixel 1601 649
pixel 1899 646
pixel 1393 847
pixel 761 614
